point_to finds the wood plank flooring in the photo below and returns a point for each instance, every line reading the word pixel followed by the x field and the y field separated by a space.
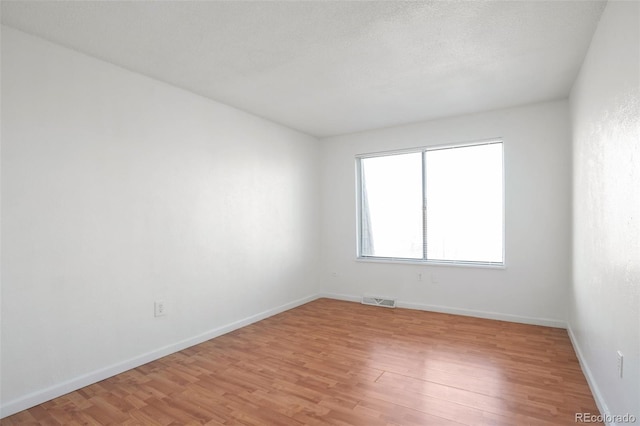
pixel 342 363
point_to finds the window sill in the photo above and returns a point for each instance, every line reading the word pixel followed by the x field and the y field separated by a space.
pixel 430 263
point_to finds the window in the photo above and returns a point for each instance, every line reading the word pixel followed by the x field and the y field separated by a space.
pixel 439 204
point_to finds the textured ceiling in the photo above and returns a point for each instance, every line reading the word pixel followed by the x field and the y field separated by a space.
pixel 329 68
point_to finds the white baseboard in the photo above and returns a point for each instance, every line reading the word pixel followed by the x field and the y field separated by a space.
pixel 595 390
pixel 76 383
pixel 484 314
pixel 459 311
pixel 339 296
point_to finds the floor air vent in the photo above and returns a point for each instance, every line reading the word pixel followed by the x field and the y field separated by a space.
pixel 378 301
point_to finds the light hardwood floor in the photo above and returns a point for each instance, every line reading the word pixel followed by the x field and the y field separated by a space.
pixel 335 362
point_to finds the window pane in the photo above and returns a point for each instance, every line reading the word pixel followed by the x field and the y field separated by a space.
pixel 464 203
pixel 391 206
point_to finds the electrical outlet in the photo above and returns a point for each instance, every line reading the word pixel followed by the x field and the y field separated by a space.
pixel 419 277
pixel 159 309
pixel 620 357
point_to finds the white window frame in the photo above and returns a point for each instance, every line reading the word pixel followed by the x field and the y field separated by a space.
pixel 425 261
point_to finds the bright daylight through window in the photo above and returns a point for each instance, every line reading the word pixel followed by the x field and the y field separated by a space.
pixel 440 204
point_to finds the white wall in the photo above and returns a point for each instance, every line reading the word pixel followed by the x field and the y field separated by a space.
pixel 533 287
pixel 118 190
pixel 605 296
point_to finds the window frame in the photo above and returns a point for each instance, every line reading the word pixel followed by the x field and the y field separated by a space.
pixel 424 261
